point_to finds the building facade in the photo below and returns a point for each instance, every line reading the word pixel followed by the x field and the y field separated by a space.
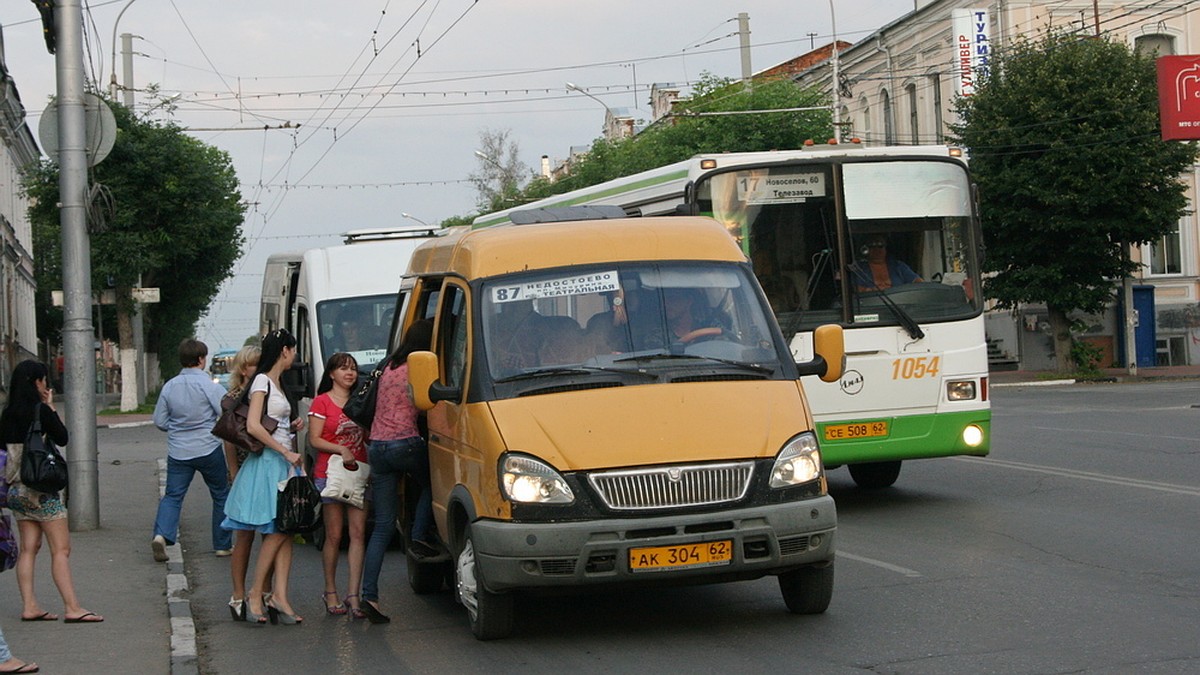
pixel 18 319
pixel 897 87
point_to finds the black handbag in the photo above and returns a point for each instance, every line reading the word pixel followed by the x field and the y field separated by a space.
pixel 231 425
pixel 42 465
pixel 360 407
pixel 298 506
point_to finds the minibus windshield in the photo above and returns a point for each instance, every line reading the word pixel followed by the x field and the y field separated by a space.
pixel 627 316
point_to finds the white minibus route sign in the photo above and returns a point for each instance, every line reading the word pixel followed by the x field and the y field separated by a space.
pixel 598 282
pixel 785 188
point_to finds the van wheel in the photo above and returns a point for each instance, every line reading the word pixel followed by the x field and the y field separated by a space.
pixel 807 590
pixel 490 614
pixel 875 475
pixel 425 578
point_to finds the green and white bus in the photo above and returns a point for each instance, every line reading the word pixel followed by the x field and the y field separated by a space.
pixel 884 241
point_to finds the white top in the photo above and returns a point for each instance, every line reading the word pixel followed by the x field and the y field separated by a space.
pixel 277 407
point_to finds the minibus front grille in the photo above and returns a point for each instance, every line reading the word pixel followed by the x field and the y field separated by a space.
pixel 673 486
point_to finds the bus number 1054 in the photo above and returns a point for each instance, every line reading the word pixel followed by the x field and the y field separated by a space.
pixel 915 367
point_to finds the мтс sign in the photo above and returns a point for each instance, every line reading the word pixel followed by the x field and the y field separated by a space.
pixel 1179 97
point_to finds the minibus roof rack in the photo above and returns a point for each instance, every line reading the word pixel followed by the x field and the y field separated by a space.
pixel 563 214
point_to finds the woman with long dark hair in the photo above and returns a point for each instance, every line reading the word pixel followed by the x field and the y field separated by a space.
pixel 38 513
pixel 396 448
pixel 251 504
pixel 330 433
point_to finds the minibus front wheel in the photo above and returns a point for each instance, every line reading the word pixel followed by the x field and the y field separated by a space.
pixel 807 590
pixel 490 614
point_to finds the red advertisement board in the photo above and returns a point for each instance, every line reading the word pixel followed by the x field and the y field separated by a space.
pixel 1179 97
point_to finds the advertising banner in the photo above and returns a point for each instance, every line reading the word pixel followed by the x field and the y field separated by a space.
pixel 1179 97
pixel 972 48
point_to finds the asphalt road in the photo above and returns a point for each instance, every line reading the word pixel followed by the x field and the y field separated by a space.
pixel 1071 549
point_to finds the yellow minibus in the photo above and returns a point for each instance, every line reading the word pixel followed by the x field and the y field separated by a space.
pixel 610 402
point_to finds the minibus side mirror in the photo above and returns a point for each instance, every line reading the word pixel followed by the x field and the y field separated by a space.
pixel 829 354
pixel 297 380
pixel 423 381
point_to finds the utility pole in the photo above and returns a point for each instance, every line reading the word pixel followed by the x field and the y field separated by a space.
pixel 743 20
pixel 80 363
pixel 837 81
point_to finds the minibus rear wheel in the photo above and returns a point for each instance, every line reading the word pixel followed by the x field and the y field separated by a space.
pixel 807 590
pixel 490 614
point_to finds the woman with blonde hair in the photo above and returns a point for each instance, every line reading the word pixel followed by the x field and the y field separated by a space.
pixel 241 369
pixel 38 514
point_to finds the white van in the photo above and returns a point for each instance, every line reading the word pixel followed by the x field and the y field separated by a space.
pixel 337 299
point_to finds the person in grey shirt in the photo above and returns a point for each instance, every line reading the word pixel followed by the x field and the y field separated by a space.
pixel 187 409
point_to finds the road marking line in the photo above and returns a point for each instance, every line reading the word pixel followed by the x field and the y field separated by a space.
pixel 879 563
pixel 1086 475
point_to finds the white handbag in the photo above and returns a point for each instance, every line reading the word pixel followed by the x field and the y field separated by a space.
pixel 346 485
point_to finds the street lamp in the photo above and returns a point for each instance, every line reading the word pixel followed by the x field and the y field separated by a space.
pixel 112 86
pixel 489 160
pixel 412 217
pixel 571 86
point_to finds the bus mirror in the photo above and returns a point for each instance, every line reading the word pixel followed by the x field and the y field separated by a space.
pixel 297 380
pixel 829 354
pixel 422 374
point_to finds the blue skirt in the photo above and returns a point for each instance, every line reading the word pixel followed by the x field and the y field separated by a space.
pixel 255 492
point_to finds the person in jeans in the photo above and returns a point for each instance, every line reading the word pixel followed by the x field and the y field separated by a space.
pixel 396 448
pixel 187 409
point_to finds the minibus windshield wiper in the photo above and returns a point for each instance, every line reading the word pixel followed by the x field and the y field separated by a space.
pixel 756 367
pixel 570 370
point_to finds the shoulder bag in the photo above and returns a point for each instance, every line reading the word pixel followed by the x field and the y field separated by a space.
pixel 42 465
pixel 360 407
pixel 8 544
pixel 231 425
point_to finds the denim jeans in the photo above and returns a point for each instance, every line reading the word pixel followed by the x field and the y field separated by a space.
pixel 179 476
pixel 389 460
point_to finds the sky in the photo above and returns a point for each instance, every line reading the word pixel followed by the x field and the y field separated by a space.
pixel 391 95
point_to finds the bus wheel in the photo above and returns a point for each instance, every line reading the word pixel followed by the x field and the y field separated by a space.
pixel 425 578
pixel 807 590
pixel 875 475
pixel 490 614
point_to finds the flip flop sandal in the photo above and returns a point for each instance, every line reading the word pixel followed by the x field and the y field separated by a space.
pixel 25 668
pixel 44 616
pixel 89 617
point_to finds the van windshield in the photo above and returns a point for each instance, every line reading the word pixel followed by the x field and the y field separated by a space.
pixel 358 326
pixel 626 317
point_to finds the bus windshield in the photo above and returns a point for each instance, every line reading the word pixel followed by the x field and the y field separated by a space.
pixel 632 316
pixel 901 248
pixel 358 326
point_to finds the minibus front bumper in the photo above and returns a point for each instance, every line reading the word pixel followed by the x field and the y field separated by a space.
pixel 728 545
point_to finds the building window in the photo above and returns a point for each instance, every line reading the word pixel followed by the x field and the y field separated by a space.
pixel 914 127
pixel 889 132
pixel 935 83
pixel 1155 45
pixel 1164 253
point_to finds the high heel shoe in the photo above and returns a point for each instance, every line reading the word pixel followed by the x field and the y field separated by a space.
pixel 251 617
pixel 333 610
pixel 278 616
pixel 354 612
pixel 237 609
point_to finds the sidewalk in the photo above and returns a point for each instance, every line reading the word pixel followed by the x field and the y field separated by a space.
pixel 1014 378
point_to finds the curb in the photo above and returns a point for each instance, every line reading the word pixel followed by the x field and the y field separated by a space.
pixel 184 660
pixel 1038 383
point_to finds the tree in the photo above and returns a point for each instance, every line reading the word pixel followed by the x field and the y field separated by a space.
pixel 1063 138
pixel 501 171
pixel 166 213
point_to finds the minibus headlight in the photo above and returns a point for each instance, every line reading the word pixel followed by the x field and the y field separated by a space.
pixel 798 462
pixel 960 390
pixel 530 481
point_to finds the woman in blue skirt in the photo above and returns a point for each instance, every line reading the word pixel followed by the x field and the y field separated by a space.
pixel 252 498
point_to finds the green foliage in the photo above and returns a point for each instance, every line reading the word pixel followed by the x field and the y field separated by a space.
pixel 1064 146
pixel 1086 357
pixel 172 220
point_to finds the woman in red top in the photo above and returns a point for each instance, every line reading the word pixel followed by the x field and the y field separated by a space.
pixel 331 432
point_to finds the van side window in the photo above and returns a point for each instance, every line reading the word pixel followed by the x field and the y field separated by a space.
pixel 452 335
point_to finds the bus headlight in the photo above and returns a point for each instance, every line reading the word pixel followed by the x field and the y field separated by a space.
pixel 972 435
pixel 531 481
pixel 960 390
pixel 798 462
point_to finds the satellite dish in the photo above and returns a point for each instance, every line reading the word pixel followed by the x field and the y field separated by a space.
pixel 99 123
